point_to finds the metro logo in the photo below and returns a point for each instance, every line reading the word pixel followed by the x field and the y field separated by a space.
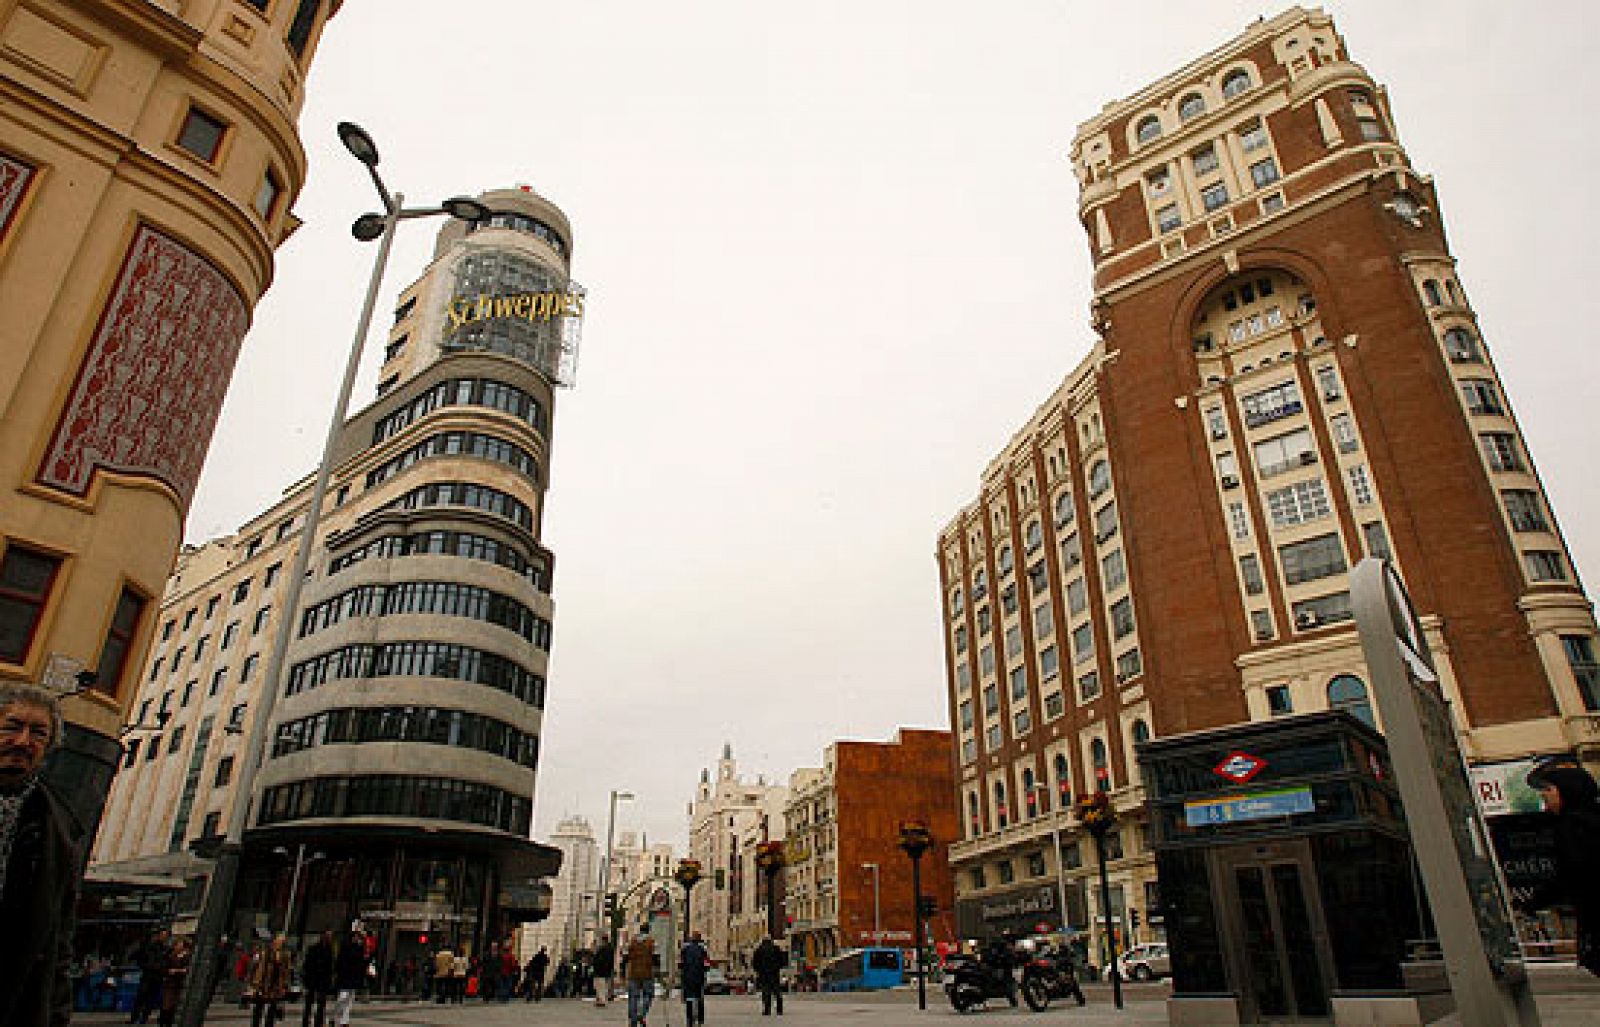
pixel 1239 767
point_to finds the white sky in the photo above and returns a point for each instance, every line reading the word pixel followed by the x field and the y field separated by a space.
pixel 833 263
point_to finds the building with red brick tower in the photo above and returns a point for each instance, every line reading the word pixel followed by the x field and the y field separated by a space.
pixel 847 881
pixel 1287 377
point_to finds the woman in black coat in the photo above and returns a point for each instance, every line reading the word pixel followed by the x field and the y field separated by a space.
pixel 1572 795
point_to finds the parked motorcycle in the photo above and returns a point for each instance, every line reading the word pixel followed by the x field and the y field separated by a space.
pixel 971 981
pixel 1048 974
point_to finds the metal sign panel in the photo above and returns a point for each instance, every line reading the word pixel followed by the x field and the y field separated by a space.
pixel 1232 809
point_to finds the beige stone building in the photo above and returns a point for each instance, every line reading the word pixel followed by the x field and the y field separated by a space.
pixel 726 820
pixel 406 736
pixel 1287 376
pixel 149 161
pixel 640 867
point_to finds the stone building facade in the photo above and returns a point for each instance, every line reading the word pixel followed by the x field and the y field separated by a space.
pixel 406 737
pixel 729 816
pixel 149 161
pixel 1287 376
pixel 574 919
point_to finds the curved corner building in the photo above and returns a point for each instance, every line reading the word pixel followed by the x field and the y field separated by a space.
pixel 407 734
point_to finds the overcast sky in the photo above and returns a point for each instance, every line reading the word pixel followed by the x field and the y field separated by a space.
pixel 833 264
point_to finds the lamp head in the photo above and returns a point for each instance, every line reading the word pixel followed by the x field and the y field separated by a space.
pixel 368 227
pixel 359 143
pixel 467 209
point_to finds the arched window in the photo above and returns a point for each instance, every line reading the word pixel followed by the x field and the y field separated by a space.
pixel 1140 732
pixel 1430 292
pixel 1461 346
pixel 1030 795
pixel 1000 804
pixel 1234 83
pixel 974 823
pixel 1148 129
pixel 1347 692
pixel 1191 106
pixel 1099 478
pixel 1101 763
pixel 1063 779
pixel 1064 509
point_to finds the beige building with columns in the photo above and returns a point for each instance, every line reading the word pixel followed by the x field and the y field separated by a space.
pixel 149 161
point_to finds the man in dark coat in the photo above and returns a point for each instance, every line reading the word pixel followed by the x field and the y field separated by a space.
pixel 40 850
pixel 605 967
pixel 316 975
pixel 151 959
pixel 1572 795
pixel 767 962
pixel 349 975
pixel 533 979
pixel 693 962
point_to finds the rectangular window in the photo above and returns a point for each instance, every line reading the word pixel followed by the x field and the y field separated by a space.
pixel 969 750
pixel 1007 873
pixel 961 638
pixel 217 681
pixel 966 715
pixel 1298 503
pixel 1344 433
pixel 1272 203
pixel 1021 723
pixel 992 739
pixel 1525 510
pixel 1285 452
pixel 1083 643
pixel 1250 571
pixel 211 607
pixel 1481 396
pixel 224 772
pixel 1115 570
pixel 1253 137
pixel 1501 450
pixel 1360 485
pixel 267 194
pixel 1238 520
pixel 1280 702
pixel 1168 219
pixel 1545 565
pixel 1319 557
pixel 1044 622
pixel 1054 706
pixel 986 660
pixel 305 20
pixel 979 880
pixel 249 667
pixel 1105 522
pixel 1204 159
pixel 1281 400
pixel 1089 686
pixel 1013 641
pixel 176 741
pixel 1261 624
pixel 1019 684
pixel 991 700
pixel 272 575
pixel 1371 131
pixel 1264 173
pixel 132 754
pixel 202 135
pixel 1122 618
pixel 229 635
pixel 1038 578
pixel 1049 663
pixel 1008 599
pixel 26 577
pixel 260 620
pixel 1214 196
pixel 1580 656
pixel 1077 596
pixel 1036 864
pixel 1329 609
pixel 1129 665
pixel 1377 542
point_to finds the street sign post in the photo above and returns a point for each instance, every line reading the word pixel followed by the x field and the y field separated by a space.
pixel 1452 849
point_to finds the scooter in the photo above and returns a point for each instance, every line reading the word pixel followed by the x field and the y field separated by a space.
pixel 1049 974
pixel 971 982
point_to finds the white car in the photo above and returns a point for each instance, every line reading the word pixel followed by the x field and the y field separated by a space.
pixel 717 981
pixel 1147 962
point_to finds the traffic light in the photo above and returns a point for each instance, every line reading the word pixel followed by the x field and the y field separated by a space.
pixel 927 906
pixel 1133 918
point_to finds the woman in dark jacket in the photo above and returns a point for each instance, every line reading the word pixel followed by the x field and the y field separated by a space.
pixel 1572 795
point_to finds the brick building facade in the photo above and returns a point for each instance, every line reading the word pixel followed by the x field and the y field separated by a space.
pixel 1287 377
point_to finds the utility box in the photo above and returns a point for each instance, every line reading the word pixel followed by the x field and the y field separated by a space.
pixel 1286 873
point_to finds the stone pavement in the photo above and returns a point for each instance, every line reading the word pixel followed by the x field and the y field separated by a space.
pixel 1567 998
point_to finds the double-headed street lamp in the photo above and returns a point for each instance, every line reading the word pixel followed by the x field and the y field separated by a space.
pixel 688 875
pixel 1098 817
pixel 769 857
pixel 916 839
pixel 225 873
pixel 612 910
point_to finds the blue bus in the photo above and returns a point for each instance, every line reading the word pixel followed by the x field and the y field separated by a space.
pixel 864 970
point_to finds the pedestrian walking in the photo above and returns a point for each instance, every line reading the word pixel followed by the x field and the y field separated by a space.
pixel 537 965
pixel 316 978
pixel 40 846
pixel 172 977
pixel 458 977
pixel 640 967
pixel 767 961
pixel 349 976
pixel 561 984
pixel 269 983
pixel 1573 797
pixel 605 967
pixel 444 962
pixel 152 962
pixel 693 962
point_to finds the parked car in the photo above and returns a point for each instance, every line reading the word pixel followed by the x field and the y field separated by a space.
pixel 1147 962
pixel 717 982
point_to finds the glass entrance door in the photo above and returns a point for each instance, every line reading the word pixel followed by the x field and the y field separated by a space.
pixel 1280 965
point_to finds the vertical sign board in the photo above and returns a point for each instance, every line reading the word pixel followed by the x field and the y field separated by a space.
pixel 1447 835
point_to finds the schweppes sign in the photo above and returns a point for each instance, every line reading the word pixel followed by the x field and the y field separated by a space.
pixel 522 306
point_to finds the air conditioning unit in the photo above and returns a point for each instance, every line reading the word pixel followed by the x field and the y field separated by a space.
pixel 1229 481
pixel 1306 620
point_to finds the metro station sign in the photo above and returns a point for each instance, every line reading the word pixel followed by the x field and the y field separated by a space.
pixel 1239 767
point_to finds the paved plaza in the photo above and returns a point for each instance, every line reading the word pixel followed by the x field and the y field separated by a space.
pixel 1567 998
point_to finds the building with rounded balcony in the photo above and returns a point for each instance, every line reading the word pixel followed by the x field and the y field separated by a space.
pixel 397 786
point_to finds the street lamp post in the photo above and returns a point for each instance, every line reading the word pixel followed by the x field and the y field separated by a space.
pixel 1098 818
pixel 225 873
pixel 877 918
pixel 916 839
pixel 688 875
pixel 610 909
pixel 300 863
pixel 769 857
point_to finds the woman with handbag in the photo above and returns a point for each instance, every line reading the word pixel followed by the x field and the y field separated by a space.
pixel 269 983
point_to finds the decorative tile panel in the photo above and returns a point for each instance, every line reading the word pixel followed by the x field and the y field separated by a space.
pixel 15 177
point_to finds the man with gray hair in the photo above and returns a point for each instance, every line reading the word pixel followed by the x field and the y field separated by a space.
pixel 39 856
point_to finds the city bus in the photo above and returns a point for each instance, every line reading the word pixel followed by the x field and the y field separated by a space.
pixel 864 970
